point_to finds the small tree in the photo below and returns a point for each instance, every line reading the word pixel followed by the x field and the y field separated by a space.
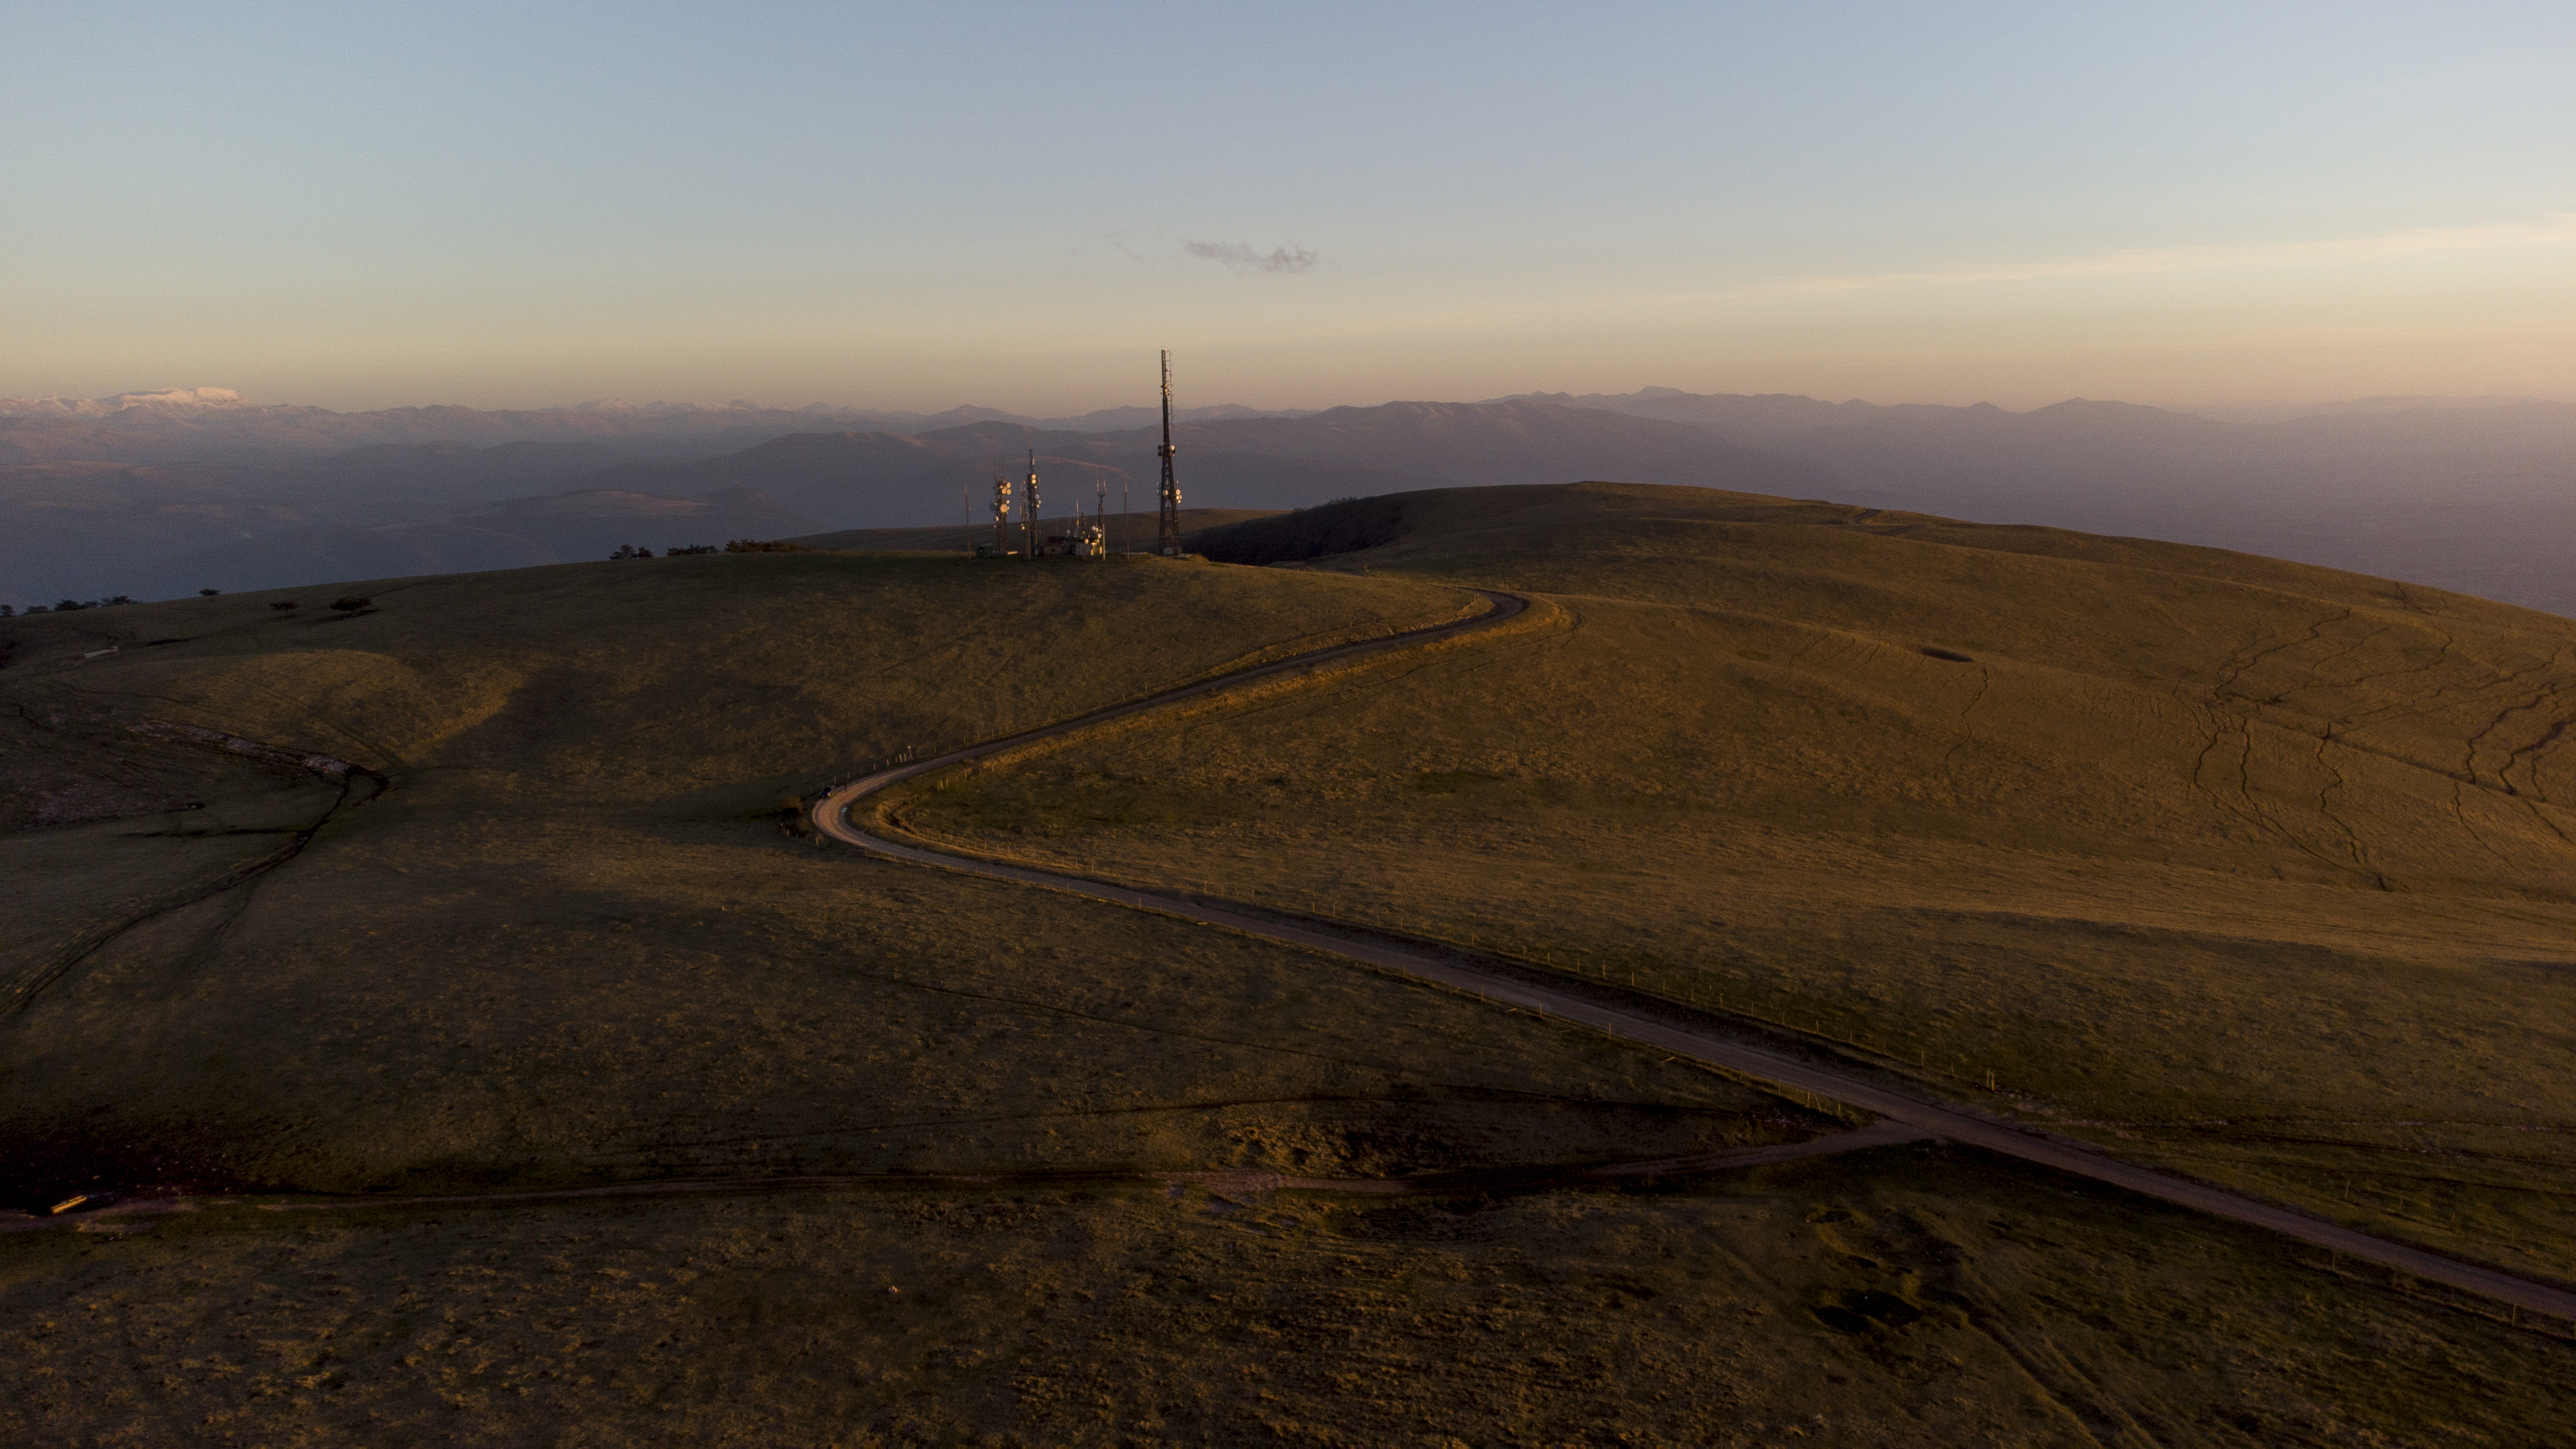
pixel 350 604
pixel 67 605
pixel 208 593
pixel 282 605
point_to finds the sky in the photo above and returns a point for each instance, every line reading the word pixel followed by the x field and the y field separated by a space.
pixel 917 206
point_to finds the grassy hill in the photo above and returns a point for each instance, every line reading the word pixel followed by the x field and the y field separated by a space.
pixel 2259 870
pixel 553 930
pixel 569 941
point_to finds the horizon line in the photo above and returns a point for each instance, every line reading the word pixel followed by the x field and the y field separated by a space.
pixel 146 399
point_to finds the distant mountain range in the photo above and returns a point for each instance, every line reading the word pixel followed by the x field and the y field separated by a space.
pixel 2073 451
pixel 2475 495
pixel 154 494
pixel 878 480
pixel 91 528
pixel 217 425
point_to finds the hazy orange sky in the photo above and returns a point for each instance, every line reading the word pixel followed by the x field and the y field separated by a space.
pixel 913 206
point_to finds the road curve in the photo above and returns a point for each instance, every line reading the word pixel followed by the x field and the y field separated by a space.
pixel 831 816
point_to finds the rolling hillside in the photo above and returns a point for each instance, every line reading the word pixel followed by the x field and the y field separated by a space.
pixel 529 1067
pixel 2254 868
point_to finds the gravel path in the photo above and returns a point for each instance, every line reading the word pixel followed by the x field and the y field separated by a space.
pixel 1915 1116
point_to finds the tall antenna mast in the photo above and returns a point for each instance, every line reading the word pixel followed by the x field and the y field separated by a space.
pixel 1001 517
pixel 1171 544
pixel 1029 510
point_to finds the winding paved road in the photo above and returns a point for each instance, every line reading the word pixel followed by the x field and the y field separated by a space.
pixel 831 815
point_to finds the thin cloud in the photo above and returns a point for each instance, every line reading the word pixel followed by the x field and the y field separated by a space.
pixel 1283 261
pixel 2555 229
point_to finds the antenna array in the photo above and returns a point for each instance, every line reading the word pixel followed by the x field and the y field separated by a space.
pixel 1029 510
pixel 1171 542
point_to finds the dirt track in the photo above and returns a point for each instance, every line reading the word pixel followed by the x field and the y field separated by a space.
pixel 1921 1117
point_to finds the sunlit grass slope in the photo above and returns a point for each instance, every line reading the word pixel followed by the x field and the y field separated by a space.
pixel 2258 869
pixel 673 675
pixel 570 941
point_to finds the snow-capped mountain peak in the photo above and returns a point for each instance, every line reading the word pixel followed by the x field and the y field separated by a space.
pixel 177 399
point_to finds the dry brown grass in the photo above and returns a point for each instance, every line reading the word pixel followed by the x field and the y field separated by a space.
pixel 2258 869
pixel 1904 1298
pixel 572 944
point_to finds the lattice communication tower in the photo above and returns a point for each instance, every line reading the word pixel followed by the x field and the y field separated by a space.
pixel 1171 544
pixel 1029 510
